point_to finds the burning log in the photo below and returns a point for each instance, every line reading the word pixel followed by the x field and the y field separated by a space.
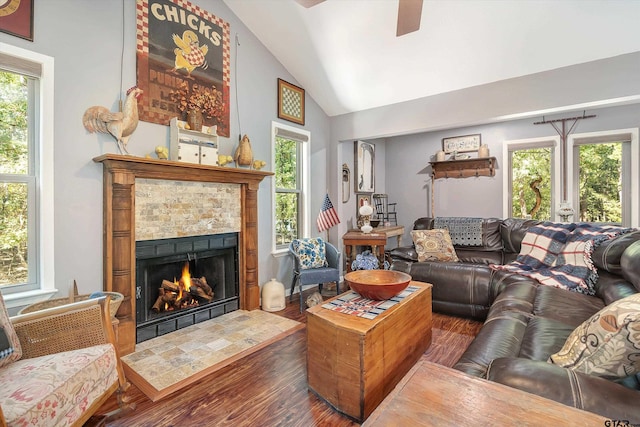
pixel 200 293
pixel 165 298
pixel 170 286
pixel 202 283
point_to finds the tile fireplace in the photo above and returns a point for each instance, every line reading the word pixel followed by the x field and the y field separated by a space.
pixel 120 177
pixel 184 281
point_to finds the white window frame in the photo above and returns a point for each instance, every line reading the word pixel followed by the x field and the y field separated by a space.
pixel 305 215
pixel 522 144
pixel 631 207
pixel 44 135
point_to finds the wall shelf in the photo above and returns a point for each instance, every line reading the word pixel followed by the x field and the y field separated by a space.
pixel 466 168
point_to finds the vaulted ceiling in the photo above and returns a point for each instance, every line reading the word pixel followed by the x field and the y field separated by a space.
pixel 346 55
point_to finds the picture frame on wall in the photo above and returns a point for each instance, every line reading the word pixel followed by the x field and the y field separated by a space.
pixel 461 144
pixel 364 160
pixel 16 18
pixel 290 102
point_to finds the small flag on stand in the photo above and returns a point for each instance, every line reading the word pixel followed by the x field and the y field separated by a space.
pixel 328 216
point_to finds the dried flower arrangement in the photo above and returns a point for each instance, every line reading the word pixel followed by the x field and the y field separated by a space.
pixel 207 100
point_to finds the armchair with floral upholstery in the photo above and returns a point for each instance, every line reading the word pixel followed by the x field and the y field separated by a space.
pixel 58 365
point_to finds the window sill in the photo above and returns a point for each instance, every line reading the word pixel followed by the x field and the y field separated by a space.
pixel 16 301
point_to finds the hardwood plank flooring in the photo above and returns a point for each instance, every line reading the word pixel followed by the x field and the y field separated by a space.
pixel 269 387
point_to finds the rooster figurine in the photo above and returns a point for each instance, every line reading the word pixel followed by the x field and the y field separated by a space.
pixel 120 125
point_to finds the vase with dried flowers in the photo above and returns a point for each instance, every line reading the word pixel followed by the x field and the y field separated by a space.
pixel 197 102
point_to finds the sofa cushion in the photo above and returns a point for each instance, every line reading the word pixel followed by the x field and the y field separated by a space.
pixel 10 349
pixel 56 389
pixel 311 252
pixel 607 344
pixel 434 245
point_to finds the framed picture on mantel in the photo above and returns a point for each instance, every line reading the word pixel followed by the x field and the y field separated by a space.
pixel 461 144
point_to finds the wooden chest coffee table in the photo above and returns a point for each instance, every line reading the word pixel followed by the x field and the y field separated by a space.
pixel 353 362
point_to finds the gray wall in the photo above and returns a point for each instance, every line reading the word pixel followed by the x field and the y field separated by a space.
pixel 408 179
pixel 85 38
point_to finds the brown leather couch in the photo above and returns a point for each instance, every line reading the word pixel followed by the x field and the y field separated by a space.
pixel 524 322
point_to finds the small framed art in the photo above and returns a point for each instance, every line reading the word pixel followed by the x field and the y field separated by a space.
pixel 290 102
pixel 461 144
pixel 16 18
pixel 365 160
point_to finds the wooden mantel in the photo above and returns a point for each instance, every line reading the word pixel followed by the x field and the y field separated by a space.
pixel 120 173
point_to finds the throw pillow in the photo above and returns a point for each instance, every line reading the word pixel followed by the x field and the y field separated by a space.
pixel 10 349
pixel 434 245
pixel 606 345
pixel 311 252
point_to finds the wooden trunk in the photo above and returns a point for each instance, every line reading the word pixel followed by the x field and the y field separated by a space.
pixel 353 363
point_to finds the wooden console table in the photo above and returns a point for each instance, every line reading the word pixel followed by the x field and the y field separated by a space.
pixel 353 362
pixel 435 395
pixel 377 240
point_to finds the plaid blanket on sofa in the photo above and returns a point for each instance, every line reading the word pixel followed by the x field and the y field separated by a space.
pixel 560 254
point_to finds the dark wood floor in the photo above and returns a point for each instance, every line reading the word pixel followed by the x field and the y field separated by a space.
pixel 269 387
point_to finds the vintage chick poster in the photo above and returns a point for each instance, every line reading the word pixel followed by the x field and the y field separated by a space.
pixel 183 61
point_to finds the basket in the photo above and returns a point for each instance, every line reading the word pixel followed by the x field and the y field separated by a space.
pixel 116 300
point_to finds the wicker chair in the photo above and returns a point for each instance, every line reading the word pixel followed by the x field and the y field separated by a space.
pixel 69 364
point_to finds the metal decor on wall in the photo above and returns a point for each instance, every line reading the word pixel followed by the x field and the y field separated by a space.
pixel 364 156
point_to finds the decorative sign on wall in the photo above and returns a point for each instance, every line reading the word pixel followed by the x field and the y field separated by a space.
pixel 16 18
pixel 290 102
pixel 183 63
pixel 461 144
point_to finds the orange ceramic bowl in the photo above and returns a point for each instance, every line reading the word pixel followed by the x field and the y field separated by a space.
pixel 377 284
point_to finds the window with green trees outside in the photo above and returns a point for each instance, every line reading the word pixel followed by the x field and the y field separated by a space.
pixel 17 180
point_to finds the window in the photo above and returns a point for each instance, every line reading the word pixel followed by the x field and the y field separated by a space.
pixel 602 172
pixel 603 176
pixel 530 178
pixel 291 211
pixel 26 175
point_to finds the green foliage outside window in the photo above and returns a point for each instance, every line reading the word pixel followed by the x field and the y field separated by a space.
pixel 531 184
pixel 14 160
pixel 601 183
pixel 287 191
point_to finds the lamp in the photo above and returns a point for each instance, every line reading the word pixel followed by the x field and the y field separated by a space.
pixel 365 212
pixel 565 211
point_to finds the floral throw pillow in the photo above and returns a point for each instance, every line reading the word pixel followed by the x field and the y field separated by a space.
pixel 311 252
pixel 606 345
pixel 10 349
pixel 434 245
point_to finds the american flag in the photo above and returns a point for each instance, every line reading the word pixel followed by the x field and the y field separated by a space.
pixel 328 216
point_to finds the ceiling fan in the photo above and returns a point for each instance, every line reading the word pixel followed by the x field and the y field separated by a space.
pixel 409 13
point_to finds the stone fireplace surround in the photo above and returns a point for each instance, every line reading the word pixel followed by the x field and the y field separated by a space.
pixel 120 174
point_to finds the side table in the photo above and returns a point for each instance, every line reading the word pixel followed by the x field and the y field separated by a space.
pixel 377 240
pixel 353 239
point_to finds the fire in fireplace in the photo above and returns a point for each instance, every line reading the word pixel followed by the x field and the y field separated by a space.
pixel 184 293
pixel 183 281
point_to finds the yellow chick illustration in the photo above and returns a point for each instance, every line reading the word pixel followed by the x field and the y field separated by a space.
pixel 223 159
pixel 189 54
pixel 259 164
pixel 162 152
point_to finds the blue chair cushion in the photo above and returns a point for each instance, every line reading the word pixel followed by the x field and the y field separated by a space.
pixel 311 253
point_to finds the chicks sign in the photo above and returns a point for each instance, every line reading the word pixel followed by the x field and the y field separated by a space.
pixel 183 58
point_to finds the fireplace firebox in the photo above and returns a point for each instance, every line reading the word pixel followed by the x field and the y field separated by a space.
pixel 164 270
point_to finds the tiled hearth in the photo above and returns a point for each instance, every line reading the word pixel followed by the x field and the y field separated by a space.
pixel 127 177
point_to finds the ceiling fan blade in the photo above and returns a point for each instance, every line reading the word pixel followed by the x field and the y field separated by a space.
pixel 409 13
pixel 309 3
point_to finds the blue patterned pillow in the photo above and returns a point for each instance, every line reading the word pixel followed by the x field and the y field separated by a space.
pixel 311 252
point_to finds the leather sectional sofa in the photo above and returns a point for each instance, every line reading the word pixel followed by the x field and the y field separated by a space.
pixel 525 322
